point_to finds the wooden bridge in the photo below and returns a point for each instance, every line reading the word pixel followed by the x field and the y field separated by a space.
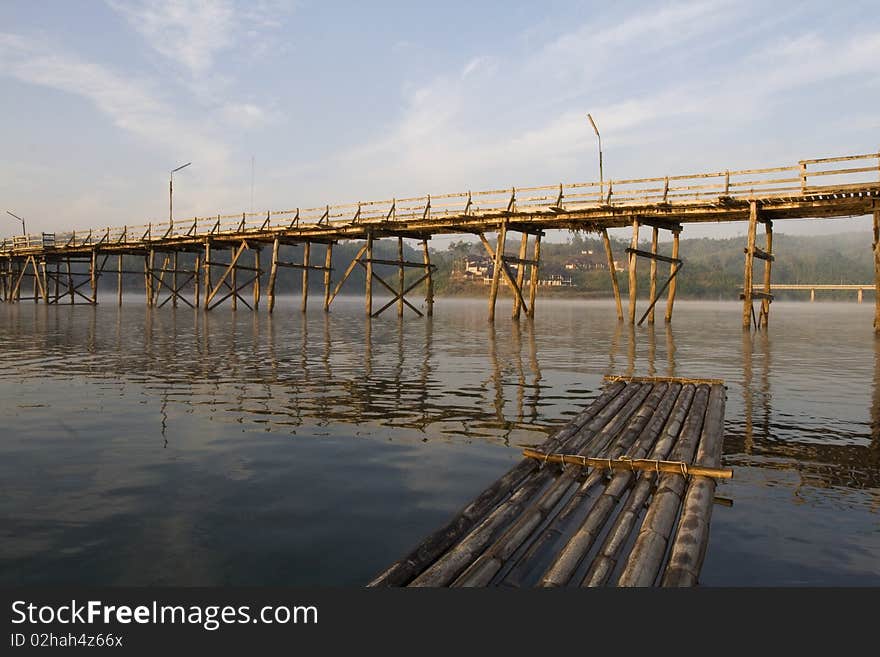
pixel 72 263
pixel 858 288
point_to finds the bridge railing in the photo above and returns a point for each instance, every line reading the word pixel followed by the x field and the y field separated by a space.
pixel 807 178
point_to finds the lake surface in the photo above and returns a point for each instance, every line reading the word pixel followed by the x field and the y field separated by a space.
pixel 171 447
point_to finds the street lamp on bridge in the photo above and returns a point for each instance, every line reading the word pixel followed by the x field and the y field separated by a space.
pixel 23 230
pixel 171 195
pixel 599 137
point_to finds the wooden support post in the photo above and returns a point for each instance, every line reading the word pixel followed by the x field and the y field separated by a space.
pixel 876 268
pixel 653 278
pixel 328 270
pixel 520 274
pixel 496 271
pixel 93 275
pixel 233 278
pixel 207 272
pixel 45 285
pixel 400 276
pixel 812 295
pixel 119 280
pixel 36 278
pixel 148 276
pixel 369 280
pixel 57 281
pixel 859 298
pixel 273 273
pixel 670 301
pixel 633 259
pixel 429 279
pixel 197 275
pixel 768 262
pixel 257 278
pixel 174 280
pixel 534 273
pixel 307 249
pixel 615 286
pixel 747 275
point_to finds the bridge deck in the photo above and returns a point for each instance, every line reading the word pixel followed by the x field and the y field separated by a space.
pixel 827 187
pixel 545 525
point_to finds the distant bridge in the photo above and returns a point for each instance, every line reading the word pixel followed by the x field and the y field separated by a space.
pixel 820 188
pixel 859 288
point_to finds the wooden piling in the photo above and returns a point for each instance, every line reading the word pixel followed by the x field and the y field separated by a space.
pixel 670 301
pixel 328 270
pixel 520 274
pixel 45 283
pixel 257 273
pixel 496 270
pixel 653 278
pixel 57 286
pixel 233 279
pixel 174 291
pixel 534 273
pixel 633 259
pixel 877 269
pixel 368 293
pixel 207 276
pixel 119 280
pixel 768 262
pixel 615 286
pixel 747 274
pixel 148 276
pixel 93 275
pixel 197 274
pixel 307 249
pixel 273 273
pixel 400 276
pixel 429 279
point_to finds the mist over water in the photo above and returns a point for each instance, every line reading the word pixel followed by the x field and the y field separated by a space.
pixel 162 446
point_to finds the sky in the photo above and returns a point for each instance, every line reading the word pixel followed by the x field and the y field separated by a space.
pixel 330 102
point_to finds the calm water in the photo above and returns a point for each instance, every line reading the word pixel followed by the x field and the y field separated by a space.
pixel 171 447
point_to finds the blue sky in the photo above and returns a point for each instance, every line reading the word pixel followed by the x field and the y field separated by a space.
pixel 342 102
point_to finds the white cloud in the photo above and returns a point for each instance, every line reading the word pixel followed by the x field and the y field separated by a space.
pixel 193 33
pixel 245 115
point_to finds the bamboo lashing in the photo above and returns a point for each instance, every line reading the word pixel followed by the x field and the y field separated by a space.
pixel 624 463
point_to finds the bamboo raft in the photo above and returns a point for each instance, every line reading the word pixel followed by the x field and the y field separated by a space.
pixel 622 495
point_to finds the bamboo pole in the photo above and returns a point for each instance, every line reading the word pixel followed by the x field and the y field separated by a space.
pixel 45 283
pixel 400 276
pixel 615 286
pixel 747 274
pixel 641 433
pixel 617 539
pixel 496 271
pixel 70 281
pixel 765 301
pixel 403 571
pixel 630 420
pixel 368 293
pixel 646 558
pixel 307 250
pixel 456 560
pixel 631 465
pixel 328 271
pixel 119 280
pixel 692 535
pixel 633 259
pixel 429 279
pixel 36 278
pixel 520 274
pixel 257 272
pixel 534 273
pixel 273 273
pixel 670 301
pixel 57 286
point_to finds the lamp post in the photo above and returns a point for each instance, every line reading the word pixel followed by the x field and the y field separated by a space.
pixel 171 195
pixel 23 230
pixel 599 137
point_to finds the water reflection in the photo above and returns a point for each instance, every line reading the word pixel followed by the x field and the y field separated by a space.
pixel 823 456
